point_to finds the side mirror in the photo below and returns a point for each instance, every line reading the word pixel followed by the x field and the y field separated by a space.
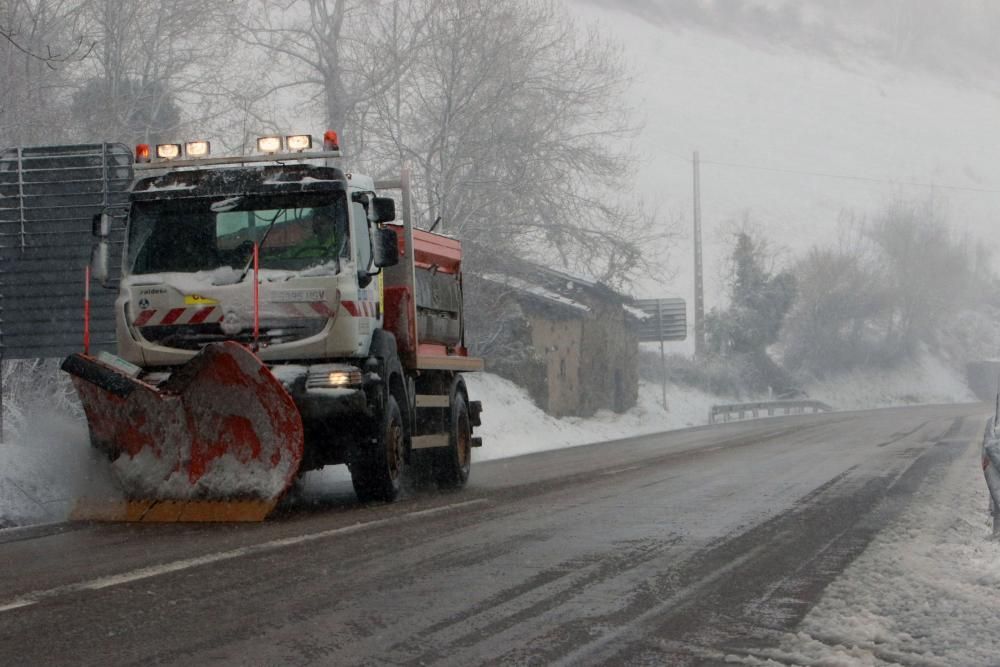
pixel 101 225
pixel 386 247
pixel 99 262
pixel 384 208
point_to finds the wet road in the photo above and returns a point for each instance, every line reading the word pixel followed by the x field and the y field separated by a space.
pixel 679 548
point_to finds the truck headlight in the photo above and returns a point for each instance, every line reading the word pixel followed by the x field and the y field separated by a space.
pixel 333 376
pixel 343 378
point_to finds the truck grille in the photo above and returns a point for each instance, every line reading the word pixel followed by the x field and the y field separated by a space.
pixel 197 336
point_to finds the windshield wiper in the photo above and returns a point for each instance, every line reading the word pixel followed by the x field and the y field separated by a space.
pixel 260 244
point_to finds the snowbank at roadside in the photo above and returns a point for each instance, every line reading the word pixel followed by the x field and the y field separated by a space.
pixel 926 591
pixel 513 425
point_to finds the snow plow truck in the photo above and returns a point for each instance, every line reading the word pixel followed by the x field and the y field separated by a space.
pixel 274 316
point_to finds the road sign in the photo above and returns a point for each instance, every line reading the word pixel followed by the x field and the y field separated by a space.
pixel 666 320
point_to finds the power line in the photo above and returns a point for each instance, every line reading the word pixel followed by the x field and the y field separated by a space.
pixel 683 159
pixel 866 179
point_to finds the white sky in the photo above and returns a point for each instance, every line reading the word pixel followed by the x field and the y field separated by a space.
pixel 774 108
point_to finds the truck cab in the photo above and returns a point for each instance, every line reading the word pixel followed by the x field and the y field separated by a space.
pixel 188 263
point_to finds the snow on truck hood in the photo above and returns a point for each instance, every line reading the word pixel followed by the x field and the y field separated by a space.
pixel 224 276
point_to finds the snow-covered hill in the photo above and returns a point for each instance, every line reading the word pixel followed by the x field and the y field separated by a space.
pixel 815 136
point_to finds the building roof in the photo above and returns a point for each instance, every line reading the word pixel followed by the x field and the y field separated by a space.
pixel 559 287
pixel 536 292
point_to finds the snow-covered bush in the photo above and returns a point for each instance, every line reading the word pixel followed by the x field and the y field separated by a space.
pixel 713 375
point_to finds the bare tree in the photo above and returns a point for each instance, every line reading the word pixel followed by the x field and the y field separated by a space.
pixel 150 57
pixel 38 40
pixel 513 117
pixel 50 57
pixel 341 53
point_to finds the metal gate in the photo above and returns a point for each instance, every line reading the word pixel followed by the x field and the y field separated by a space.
pixel 48 198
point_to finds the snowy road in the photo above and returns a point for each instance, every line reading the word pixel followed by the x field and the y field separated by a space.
pixel 681 548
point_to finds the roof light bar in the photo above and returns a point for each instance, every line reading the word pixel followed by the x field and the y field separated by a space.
pixel 271 144
pixel 199 148
pixel 271 148
pixel 168 151
pixel 299 142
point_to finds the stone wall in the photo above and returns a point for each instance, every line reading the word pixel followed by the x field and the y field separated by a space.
pixel 609 373
pixel 558 342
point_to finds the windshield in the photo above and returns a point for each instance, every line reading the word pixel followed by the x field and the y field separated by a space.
pixel 295 232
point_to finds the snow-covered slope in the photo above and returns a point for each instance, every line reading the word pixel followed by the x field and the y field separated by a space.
pixel 928 380
pixel 774 108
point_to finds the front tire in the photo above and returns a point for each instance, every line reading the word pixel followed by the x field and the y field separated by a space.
pixel 377 477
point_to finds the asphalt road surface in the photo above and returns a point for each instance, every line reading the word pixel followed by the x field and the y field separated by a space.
pixel 678 548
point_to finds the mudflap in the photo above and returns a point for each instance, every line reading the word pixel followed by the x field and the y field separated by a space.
pixel 220 440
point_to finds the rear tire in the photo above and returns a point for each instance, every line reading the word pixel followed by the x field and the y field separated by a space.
pixel 377 477
pixel 454 463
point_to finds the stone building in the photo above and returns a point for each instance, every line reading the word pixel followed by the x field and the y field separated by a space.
pixel 569 340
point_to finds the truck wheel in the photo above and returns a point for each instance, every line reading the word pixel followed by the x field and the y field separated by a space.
pixel 377 477
pixel 454 463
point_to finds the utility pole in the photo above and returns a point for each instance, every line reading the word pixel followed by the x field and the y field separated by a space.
pixel 699 294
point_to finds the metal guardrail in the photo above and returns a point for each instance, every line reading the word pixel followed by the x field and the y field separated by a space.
pixel 764 409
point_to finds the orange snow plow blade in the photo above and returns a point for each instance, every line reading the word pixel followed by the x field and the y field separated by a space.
pixel 172 511
pixel 220 440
